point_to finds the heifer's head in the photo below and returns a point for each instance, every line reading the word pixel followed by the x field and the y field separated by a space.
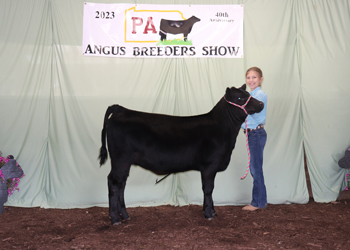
pixel 195 19
pixel 242 99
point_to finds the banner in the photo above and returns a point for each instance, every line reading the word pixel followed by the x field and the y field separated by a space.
pixel 163 31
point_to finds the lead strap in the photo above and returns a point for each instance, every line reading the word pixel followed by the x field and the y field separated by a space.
pixel 246 134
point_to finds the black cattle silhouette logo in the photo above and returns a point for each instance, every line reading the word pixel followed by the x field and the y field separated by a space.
pixel 176 27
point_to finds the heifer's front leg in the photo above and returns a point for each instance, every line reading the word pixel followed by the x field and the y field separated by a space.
pixel 162 35
pixel 208 187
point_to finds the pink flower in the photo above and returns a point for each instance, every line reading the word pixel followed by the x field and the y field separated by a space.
pixel 2 176
pixel 12 184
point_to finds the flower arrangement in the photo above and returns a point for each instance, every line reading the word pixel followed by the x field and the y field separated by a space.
pixel 12 184
pixel 347 180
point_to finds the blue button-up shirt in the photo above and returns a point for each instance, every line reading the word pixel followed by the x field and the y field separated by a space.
pixel 258 118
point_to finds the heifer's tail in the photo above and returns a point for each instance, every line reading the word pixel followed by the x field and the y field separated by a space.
pixel 103 150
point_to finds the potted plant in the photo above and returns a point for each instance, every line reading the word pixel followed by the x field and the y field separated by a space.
pixel 10 175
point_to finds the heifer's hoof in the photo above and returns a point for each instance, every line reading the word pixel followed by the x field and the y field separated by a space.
pixel 115 222
pixel 124 217
pixel 210 216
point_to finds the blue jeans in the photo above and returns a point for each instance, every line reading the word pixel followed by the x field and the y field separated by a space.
pixel 257 141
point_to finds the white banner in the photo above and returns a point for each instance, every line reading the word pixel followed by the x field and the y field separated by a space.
pixel 163 31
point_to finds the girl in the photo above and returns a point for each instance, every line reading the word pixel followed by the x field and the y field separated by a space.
pixel 256 140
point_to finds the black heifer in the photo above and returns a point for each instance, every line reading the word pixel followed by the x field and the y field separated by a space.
pixel 176 27
pixel 167 144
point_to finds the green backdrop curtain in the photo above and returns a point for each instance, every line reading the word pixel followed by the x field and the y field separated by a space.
pixel 53 100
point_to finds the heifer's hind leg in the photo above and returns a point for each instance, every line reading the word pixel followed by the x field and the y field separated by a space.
pixel 208 187
pixel 122 208
pixel 116 186
pixel 113 197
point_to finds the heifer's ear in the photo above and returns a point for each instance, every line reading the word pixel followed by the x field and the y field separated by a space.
pixel 243 87
pixel 229 90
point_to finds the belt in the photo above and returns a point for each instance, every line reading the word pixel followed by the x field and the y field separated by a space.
pixel 252 129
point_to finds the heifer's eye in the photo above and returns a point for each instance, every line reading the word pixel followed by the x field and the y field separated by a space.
pixel 239 98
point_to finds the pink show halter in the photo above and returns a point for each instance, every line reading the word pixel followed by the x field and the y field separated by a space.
pixel 246 127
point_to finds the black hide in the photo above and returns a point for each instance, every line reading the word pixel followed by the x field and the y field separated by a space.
pixel 167 144
pixel 176 27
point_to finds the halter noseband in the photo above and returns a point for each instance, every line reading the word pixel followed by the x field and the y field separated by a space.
pixel 242 107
